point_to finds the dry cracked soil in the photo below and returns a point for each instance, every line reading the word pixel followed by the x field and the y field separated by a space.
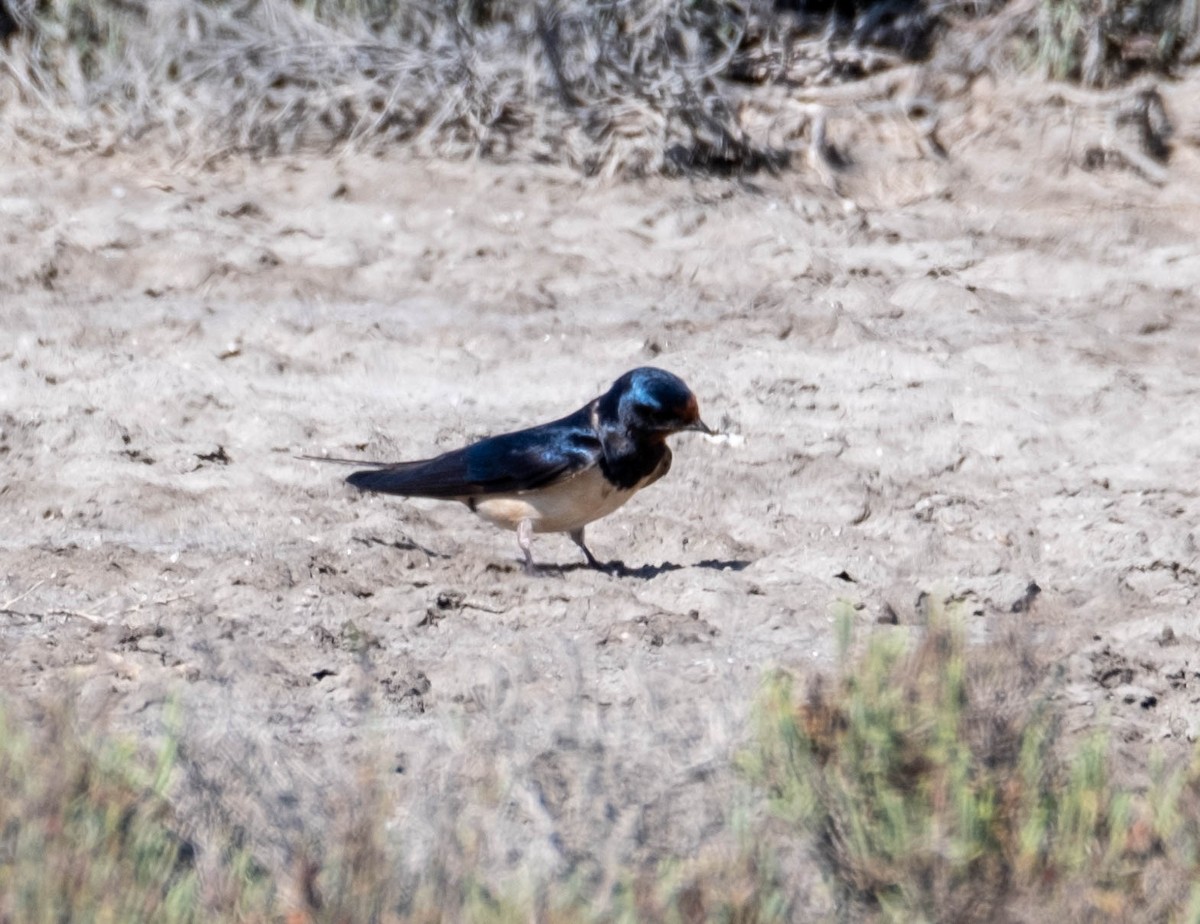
pixel 937 382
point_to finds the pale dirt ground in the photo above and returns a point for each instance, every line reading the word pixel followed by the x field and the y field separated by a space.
pixel 950 377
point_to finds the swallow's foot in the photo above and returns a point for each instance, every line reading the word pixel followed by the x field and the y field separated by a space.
pixel 605 567
pixel 616 567
pixel 593 562
pixel 525 541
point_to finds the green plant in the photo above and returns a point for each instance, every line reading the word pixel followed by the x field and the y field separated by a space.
pixel 929 803
pixel 86 833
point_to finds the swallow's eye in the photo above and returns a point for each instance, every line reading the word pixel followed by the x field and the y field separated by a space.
pixel 652 412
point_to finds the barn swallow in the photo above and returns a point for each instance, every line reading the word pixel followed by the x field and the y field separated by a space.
pixel 559 476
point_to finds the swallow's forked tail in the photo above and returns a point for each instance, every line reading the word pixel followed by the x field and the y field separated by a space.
pixel 397 477
pixel 365 463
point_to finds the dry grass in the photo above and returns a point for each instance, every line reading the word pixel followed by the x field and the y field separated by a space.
pixel 91 831
pixel 929 781
pixel 1101 44
pixel 610 87
pixel 613 87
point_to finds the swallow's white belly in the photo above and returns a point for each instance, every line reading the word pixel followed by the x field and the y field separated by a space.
pixel 567 505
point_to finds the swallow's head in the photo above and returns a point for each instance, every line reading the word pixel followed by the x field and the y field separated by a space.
pixel 653 401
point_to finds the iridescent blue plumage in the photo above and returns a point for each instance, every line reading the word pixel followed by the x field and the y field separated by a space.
pixel 520 461
pixel 559 476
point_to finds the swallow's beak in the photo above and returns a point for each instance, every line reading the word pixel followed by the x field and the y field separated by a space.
pixel 702 427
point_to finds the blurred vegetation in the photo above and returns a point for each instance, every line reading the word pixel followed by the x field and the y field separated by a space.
pixel 89 833
pixel 86 833
pixel 1102 42
pixel 608 86
pixel 928 780
pixel 935 783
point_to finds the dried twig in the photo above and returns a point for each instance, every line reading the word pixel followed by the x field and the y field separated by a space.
pixel 7 606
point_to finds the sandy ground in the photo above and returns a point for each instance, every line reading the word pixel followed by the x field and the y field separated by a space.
pixel 953 378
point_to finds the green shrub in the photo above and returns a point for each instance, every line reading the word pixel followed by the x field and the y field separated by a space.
pixel 930 777
pixel 933 780
pixel 86 833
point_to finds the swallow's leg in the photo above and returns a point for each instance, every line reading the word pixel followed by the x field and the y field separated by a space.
pixel 577 537
pixel 525 541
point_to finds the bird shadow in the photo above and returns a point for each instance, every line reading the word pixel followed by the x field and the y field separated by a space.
pixel 648 572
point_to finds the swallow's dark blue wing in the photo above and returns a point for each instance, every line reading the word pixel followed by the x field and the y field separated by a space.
pixel 520 461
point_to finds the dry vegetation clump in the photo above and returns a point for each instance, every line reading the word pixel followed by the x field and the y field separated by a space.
pixel 1101 43
pixel 607 86
pixel 928 781
pixel 938 789
pixel 90 830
